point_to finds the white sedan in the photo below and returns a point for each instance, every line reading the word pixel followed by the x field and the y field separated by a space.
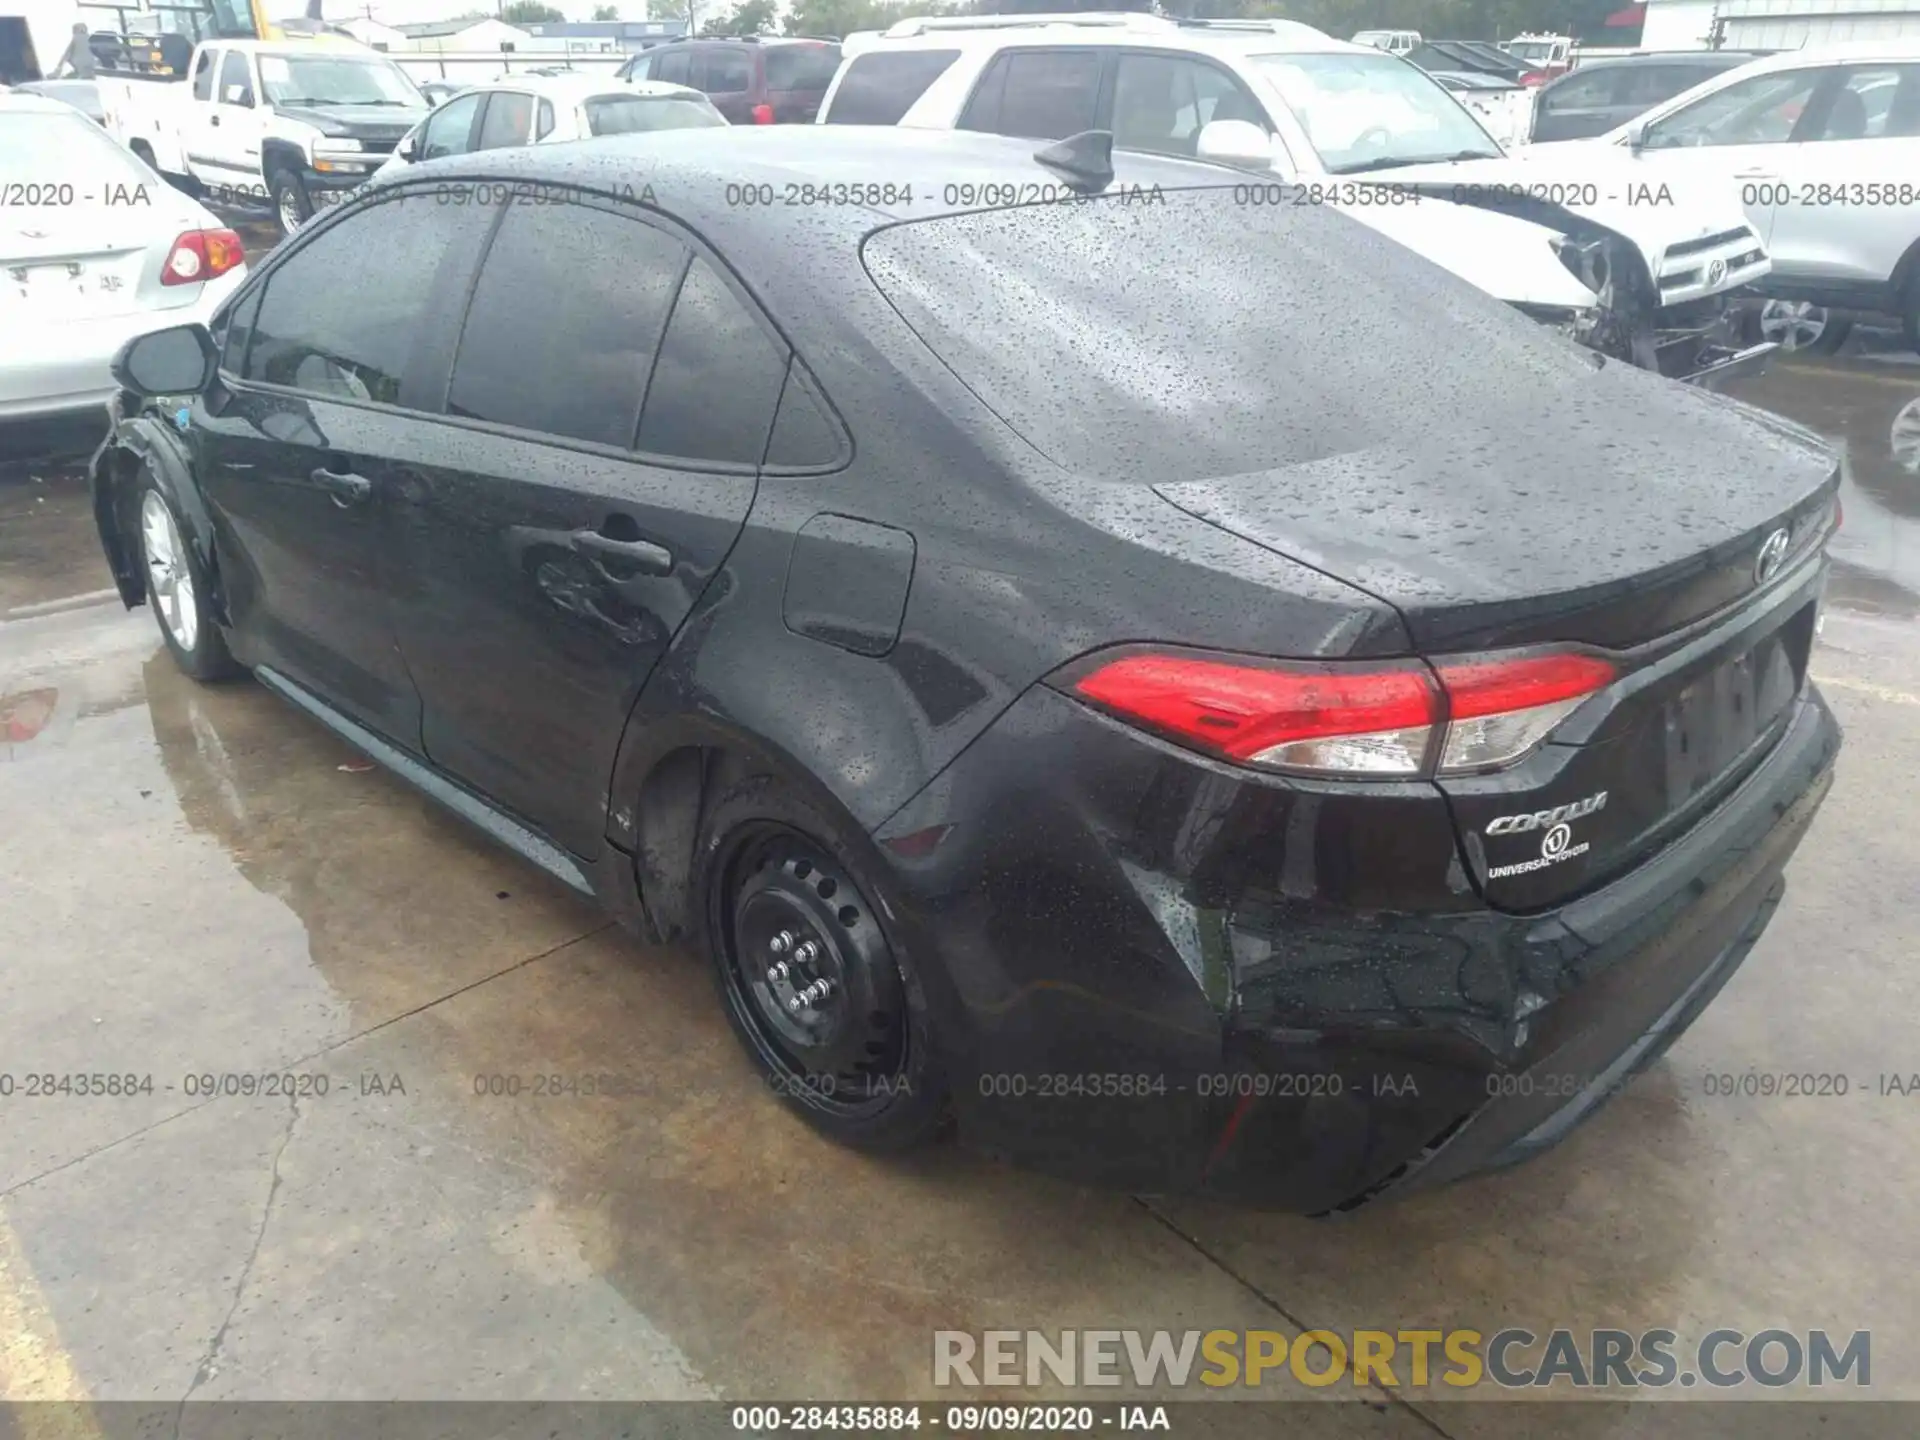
pixel 95 248
pixel 539 109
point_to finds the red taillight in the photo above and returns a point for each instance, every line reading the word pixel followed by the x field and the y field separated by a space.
pixel 1358 719
pixel 1534 77
pixel 202 255
pixel 763 114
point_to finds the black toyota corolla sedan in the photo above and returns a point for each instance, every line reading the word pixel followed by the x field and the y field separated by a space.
pixel 1192 692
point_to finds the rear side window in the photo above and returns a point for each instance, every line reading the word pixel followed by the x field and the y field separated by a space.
pixel 1038 94
pixel 717 380
pixel 879 88
pixel 1190 338
pixel 672 67
pixel 630 114
pixel 1585 92
pixel 728 72
pixel 569 308
pixel 801 67
pixel 544 127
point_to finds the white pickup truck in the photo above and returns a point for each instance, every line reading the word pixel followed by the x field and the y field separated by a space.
pixel 293 124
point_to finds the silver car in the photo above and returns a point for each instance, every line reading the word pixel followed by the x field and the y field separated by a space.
pixel 95 248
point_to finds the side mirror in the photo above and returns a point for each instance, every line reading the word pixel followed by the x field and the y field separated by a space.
pixel 175 361
pixel 1235 142
pixel 409 148
pixel 1637 136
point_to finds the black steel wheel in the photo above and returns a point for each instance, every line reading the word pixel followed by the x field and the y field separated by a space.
pixel 810 980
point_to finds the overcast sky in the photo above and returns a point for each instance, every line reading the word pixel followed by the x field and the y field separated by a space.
pixel 408 12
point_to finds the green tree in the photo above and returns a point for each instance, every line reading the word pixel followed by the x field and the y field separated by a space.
pixel 750 17
pixel 529 12
pixel 606 12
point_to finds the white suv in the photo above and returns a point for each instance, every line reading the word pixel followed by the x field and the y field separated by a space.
pixel 1825 146
pixel 1567 243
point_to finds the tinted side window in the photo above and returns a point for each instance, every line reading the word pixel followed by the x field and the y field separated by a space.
pixel 717 379
pixel 1584 92
pixel 352 342
pixel 565 319
pixel 508 121
pixel 878 88
pixel 544 126
pixel 983 108
pixel 203 75
pixel 1050 94
pixel 450 130
pixel 805 66
pixel 802 436
pixel 728 72
pixel 672 67
pixel 238 330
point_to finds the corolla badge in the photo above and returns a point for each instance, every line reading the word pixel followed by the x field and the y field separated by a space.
pixel 1773 552
pixel 1557 844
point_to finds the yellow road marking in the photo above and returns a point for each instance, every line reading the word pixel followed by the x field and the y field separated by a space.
pixel 34 1364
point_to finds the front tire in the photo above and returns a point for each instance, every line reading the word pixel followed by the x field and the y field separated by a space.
pixel 1796 325
pixel 177 591
pixel 292 206
pixel 826 1005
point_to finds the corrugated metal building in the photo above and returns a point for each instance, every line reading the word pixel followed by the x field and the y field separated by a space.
pixel 1776 24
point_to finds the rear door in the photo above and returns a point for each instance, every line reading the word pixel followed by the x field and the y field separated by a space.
pixel 230 148
pixel 1844 222
pixel 605 415
pixel 1037 94
pixel 798 73
pixel 725 73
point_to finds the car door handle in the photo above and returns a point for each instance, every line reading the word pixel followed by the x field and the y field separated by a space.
pixel 643 555
pixel 213 119
pixel 346 489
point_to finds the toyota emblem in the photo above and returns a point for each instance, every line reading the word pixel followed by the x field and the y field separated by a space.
pixel 1773 551
pixel 1716 272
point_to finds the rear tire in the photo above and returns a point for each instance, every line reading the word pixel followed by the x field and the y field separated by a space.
pixel 827 1007
pixel 1910 314
pixel 177 590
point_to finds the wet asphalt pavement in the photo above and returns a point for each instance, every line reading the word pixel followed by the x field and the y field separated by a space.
pixel 199 881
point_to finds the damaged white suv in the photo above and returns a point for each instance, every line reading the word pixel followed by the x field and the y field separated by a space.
pixel 1578 241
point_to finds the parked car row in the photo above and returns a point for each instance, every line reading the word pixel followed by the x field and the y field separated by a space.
pixel 1358 128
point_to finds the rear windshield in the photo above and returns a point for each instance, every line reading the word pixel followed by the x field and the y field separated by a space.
pixel 1201 337
pixel 628 114
pixel 63 161
pixel 879 88
pixel 801 66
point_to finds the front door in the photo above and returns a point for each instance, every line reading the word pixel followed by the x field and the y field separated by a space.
pixel 229 146
pixel 1740 131
pixel 296 451
pixel 560 534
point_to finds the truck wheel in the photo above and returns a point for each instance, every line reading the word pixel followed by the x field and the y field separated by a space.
pixel 291 204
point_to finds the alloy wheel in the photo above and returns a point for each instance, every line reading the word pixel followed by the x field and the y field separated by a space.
pixel 1793 324
pixel 169 577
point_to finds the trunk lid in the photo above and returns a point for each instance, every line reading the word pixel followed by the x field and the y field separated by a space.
pixel 1644 540
pixel 72 264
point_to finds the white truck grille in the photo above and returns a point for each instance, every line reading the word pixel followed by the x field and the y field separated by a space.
pixel 1695 269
